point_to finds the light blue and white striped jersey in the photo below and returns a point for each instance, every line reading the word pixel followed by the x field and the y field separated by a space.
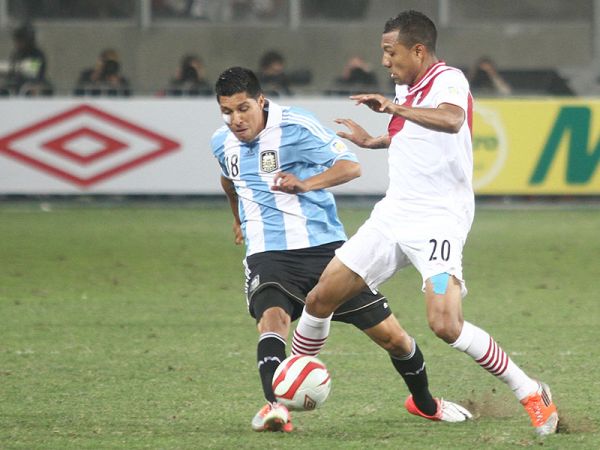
pixel 293 141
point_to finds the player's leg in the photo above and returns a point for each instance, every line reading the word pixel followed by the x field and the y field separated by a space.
pixel 444 306
pixel 271 302
pixel 273 312
pixel 336 285
pixel 271 308
pixel 370 313
pixel 276 284
pixel 443 294
pixel 367 259
pixel 406 358
pixel 437 255
pixel 444 313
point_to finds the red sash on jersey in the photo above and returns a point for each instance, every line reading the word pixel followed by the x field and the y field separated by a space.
pixel 397 123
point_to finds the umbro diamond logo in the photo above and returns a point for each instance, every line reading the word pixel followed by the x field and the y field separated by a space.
pixel 85 145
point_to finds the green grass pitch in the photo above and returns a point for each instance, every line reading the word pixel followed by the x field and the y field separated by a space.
pixel 126 327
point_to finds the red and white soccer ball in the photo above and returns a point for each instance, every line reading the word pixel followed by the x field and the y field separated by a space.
pixel 301 383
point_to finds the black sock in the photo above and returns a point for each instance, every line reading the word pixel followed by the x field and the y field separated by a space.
pixel 270 352
pixel 412 369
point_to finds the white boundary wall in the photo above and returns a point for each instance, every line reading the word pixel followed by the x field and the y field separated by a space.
pixel 142 146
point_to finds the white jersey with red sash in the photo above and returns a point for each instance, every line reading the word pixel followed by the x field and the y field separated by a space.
pixel 430 172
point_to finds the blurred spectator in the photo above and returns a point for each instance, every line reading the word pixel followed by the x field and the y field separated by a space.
pixel 272 75
pixel 104 79
pixel 538 82
pixel 357 77
pixel 26 68
pixel 358 71
pixel 485 79
pixel 190 79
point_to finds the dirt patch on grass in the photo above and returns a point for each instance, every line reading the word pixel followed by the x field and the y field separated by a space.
pixel 572 425
pixel 489 404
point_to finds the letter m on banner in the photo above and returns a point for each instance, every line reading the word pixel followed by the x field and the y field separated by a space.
pixel 581 162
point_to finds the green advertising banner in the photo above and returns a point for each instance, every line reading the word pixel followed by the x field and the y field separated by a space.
pixel 543 146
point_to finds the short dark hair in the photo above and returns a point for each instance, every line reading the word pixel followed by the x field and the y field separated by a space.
pixel 414 27
pixel 235 80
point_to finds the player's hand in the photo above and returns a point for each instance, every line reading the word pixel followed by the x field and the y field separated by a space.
pixel 357 135
pixel 237 233
pixel 376 102
pixel 288 183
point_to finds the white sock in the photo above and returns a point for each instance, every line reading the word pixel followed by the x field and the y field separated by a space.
pixel 310 334
pixel 480 346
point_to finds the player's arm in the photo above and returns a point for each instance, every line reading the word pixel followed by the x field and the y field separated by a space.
pixel 232 197
pixel 446 117
pixel 340 172
pixel 359 136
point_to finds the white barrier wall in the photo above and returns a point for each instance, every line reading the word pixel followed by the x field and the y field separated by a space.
pixel 141 146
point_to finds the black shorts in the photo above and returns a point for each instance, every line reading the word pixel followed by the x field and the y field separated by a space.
pixel 284 277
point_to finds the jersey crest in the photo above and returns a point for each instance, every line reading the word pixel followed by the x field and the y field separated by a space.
pixel 268 161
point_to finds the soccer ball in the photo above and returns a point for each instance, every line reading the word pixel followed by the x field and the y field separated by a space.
pixel 301 383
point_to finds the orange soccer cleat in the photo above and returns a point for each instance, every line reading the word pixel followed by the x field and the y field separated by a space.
pixel 542 410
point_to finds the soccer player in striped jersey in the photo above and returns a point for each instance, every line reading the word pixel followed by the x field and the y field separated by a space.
pixel 427 212
pixel 276 163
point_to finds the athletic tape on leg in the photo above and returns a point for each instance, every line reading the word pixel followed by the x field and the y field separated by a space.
pixel 440 282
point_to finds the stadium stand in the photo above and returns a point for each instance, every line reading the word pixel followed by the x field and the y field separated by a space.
pixel 152 35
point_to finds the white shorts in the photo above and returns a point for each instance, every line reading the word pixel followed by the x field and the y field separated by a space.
pixel 376 251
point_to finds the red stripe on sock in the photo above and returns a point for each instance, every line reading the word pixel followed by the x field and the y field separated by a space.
pixel 495 359
pixel 491 365
pixel 499 362
pixel 299 336
pixel 308 344
pixel 490 357
pixel 304 348
pixel 503 366
pixel 490 346
pixel 299 351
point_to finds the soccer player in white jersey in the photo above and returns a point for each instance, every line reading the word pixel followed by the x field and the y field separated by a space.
pixel 427 212
pixel 276 162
